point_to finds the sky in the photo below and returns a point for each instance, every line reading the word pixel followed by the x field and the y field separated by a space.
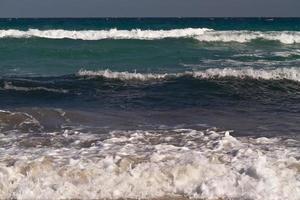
pixel 149 8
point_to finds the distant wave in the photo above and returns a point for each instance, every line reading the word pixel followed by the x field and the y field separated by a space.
pixel 285 37
pixel 104 34
pixel 10 86
pixel 266 74
pixel 200 34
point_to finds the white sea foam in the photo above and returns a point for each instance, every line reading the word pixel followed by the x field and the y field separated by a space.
pixel 124 75
pixel 286 37
pixel 104 34
pixel 266 74
pixel 201 34
pixel 179 163
pixel 287 54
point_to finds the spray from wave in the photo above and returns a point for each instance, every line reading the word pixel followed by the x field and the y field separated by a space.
pixel 200 34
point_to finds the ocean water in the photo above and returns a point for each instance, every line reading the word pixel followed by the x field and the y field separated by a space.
pixel 150 109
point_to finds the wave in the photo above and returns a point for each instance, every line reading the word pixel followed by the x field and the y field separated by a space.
pixel 212 73
pixel 285 37
pixel 200 34
pixel 18 121
pixel 10 86
pixel 171 164
pixel 104 34
pixel 124 75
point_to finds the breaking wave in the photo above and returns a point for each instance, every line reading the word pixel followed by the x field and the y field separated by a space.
pixel 201 34
pixel 266 74
pixel 104 34
pixel 179 163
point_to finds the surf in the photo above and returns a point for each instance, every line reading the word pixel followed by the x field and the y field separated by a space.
pixel 292 73
pixel 137 164
pixel 200 34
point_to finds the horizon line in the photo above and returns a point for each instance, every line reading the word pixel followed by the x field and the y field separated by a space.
pixel 263 17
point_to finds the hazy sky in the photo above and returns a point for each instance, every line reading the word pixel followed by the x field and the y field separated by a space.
pixel 149 8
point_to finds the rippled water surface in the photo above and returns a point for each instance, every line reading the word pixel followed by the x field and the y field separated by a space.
pixel 150 109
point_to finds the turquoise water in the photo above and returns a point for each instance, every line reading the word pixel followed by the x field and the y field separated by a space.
pixel 263 24
pixel 37 55
pixel 145 108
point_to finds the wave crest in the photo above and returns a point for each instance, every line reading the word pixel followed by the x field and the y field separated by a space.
pixel 201 34
pixel 265 74
pixel 104 34
pixel 285 37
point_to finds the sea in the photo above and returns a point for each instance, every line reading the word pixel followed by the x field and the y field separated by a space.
pixel 150 108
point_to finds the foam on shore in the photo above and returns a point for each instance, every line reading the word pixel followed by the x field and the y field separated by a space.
pixel 183 163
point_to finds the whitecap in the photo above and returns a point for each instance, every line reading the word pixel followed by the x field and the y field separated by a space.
pixel 200 34
pixel 292 73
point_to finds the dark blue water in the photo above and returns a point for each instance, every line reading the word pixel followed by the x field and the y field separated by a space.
pixel 41 61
